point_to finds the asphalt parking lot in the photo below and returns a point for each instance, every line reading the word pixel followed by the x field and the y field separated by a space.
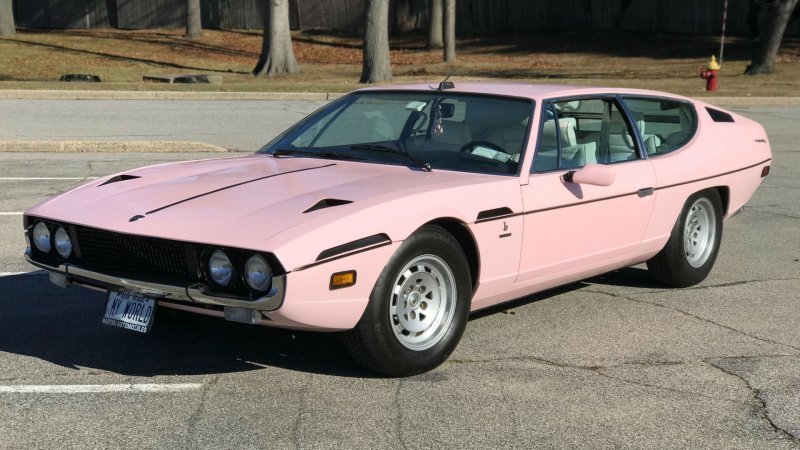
pixel 614 361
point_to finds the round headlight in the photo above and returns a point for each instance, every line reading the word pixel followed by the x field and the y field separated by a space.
pixel 220 268
pixel 41 237
pixel 257 273
pixel 63 243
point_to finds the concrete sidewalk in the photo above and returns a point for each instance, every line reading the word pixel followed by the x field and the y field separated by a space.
pixel 21 94
pixel 24 94
pixel 108 147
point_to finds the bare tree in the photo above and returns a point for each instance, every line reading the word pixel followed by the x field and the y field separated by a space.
pixel 6 19
pixel 769 39
pixel 194 27
pixel 375 66
pixel 277 54
pixel 449 31
pixel 435 25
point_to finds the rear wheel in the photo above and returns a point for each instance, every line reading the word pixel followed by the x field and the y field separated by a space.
pixel 418 309
pixel 691 251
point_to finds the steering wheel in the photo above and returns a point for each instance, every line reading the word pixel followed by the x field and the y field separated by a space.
pixel 472 144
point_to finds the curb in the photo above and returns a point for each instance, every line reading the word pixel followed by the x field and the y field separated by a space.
pixel 750 101
pixel 108 147
pixel 50 94
pixel 21 94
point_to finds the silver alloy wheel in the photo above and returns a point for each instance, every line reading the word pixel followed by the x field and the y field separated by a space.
pixel 699 233
pixel 423 302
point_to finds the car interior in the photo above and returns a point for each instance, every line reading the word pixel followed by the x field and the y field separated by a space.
pixel 595 131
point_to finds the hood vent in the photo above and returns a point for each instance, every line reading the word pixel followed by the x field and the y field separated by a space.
pixel 327 203
pixel 119 178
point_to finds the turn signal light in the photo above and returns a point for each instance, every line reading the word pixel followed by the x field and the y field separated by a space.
pixel 764 171
pixel 343 279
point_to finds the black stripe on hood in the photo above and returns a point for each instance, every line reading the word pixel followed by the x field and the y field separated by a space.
pixel 235 185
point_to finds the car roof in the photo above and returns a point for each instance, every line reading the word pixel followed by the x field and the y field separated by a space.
pixel 531 91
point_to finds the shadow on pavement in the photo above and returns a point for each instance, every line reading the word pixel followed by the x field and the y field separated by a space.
pixel 63 326
pixel 629 277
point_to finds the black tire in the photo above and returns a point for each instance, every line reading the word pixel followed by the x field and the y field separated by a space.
pixel 681 264
pixel 378 341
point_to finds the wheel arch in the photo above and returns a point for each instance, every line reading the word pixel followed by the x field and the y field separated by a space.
pixel 466 241
pixel 724 196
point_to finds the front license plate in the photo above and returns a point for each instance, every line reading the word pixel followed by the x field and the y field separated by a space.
pixel 129 310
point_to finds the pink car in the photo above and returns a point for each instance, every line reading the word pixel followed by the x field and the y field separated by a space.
pixel 393 212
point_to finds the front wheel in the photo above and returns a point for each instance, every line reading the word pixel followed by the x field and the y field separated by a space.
pixel 692 248
pixel 418 308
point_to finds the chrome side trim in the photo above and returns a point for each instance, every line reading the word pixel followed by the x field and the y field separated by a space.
pixel 62 268
pixel 144 287
pixel 197 293
pixel 269 302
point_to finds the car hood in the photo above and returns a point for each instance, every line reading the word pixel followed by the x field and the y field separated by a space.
pixel 240 201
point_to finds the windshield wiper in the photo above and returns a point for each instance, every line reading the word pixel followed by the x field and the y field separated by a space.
pixel 314 154
pixel 380 148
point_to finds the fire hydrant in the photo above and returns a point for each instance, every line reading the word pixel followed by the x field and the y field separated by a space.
pixel 710 74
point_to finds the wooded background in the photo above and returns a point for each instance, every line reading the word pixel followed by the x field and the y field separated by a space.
pixel 473 16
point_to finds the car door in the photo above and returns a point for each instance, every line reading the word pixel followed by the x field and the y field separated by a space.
pixel 573 230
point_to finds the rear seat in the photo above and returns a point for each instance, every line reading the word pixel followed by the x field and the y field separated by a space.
pixel 573 154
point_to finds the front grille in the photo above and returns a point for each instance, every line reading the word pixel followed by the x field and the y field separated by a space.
pixel 129 255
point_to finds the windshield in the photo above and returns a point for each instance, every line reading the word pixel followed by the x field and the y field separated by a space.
pixel 426 130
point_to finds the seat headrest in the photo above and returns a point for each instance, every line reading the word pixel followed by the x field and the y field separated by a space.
pixel 567 126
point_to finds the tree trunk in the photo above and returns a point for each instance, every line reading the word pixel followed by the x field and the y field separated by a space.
pixel 277 54
pixel 194 28
pixel 450 31
pixel 769 39
pixel 435 25
pixel 6 19
pixel 375 66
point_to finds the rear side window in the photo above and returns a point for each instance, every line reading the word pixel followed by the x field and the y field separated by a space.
pixel 585 131
pixel 665 125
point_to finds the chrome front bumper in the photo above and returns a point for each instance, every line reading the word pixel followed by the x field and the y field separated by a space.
pixel 196 293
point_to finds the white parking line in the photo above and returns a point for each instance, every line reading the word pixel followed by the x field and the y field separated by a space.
pixel 13 274
pixel 45 178
pixel 97 388
pixel 11 213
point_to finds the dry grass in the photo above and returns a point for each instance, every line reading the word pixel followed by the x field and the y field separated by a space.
pixel 331 63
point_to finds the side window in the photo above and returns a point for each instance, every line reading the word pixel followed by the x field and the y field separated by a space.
pixel 579 132
pixel 665 125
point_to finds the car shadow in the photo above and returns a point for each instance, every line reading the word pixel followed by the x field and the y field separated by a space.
pixel 633 277
pixel 62 326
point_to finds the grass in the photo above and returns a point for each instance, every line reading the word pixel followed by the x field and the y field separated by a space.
pixel 332 63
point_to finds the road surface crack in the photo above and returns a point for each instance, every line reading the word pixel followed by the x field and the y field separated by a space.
pixel 772 213
pixel 719 285
pixel 198 412
pixel 602 373
pixel 398 423
pixel 759 397
pixel 298 421
pixel 696 317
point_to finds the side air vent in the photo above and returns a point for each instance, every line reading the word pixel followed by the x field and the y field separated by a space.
pixel 327 203
pixel 719 116
pixel 119 178
pixel 494 213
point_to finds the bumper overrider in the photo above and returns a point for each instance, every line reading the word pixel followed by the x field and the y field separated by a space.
pixel 159 268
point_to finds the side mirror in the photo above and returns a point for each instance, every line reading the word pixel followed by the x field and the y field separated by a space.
pixel 595 174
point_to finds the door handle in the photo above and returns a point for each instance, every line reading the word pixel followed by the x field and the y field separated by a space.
pixel 644 192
